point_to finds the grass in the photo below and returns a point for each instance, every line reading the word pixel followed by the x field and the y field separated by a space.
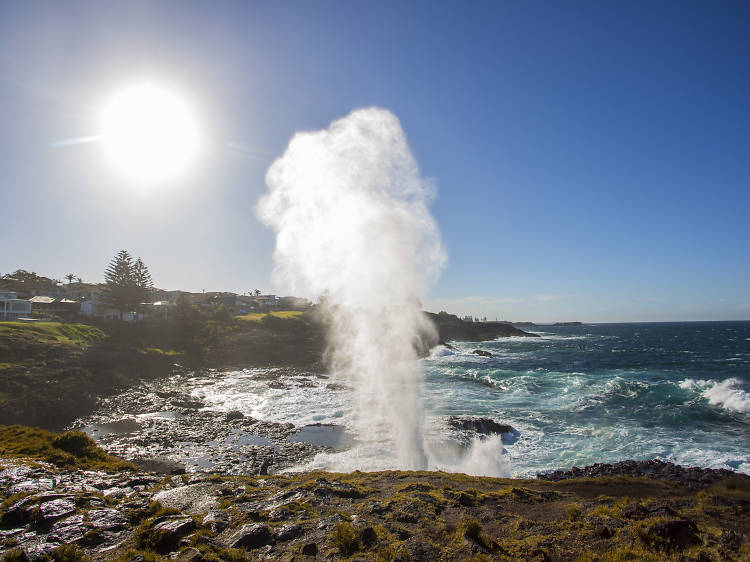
pixel 72 449
pixel 56 333
pixel 160 351
pixel 258 316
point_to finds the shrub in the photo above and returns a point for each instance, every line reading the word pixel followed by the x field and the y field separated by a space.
pixel 573 511
pixel 345 537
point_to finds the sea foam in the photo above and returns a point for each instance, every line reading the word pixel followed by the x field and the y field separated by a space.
pixel 726 394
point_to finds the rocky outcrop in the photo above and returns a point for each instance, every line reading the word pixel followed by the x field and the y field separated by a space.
pixel 451 327
pixel 469 427
pixel 693 477
pixel 482 353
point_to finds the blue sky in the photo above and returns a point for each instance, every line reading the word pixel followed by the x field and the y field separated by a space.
pixel 591 159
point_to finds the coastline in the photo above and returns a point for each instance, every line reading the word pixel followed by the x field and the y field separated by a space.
pixel 393 515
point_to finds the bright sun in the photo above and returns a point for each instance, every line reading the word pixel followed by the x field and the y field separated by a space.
pixel 149 134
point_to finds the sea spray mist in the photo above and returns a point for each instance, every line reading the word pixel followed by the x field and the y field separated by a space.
pixel 350 211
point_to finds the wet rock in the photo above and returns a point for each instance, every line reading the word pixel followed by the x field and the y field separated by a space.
pixel 251 536
pixel 289 532
pixel 483 426
pixel 234 415
pixel 107 519
pixel 55 509
pixel 482 353
pixel 679 533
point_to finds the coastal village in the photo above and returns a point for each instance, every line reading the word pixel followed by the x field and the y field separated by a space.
pixel 28 296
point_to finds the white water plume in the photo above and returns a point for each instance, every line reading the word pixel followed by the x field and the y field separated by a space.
pixel 349 208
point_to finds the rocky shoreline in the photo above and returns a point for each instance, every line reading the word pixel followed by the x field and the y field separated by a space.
pixel 691 477
pixel 49 512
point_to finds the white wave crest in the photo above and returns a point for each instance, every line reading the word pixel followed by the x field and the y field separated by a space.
pixel 726 394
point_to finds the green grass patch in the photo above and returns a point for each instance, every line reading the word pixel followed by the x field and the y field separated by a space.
pixel 258 316
pixel 72 449
pixel 160 351
pixel 56 333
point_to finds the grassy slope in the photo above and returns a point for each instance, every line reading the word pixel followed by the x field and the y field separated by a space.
pixel 55 333
pixel 72 449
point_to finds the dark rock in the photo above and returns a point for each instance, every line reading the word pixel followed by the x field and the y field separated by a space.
pixel 482 426
pixel 482 353
pixel 603 531
pixel 730 540
pixel 234 415
pixel 251 536
pixel 289 532
pixel 310 549
pixel 17 513
pixel 679 533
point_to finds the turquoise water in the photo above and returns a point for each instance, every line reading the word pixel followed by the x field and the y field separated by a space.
pixel 603 393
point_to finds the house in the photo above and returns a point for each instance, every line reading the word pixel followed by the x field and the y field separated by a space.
pixel 13 308
pixel 55 306
pixel 267 301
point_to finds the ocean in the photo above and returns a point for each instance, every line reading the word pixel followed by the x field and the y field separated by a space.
pixel 576 395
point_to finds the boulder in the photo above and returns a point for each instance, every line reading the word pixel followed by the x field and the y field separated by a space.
pixel 55 509
pixel 483 426
pixel 107 519
pixel 678 533
pixel 251 536
pixel 289 532
pixel 482 353
pixel 190 555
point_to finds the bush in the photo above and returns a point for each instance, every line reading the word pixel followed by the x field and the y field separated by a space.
pixel 573 511
pixel 345 537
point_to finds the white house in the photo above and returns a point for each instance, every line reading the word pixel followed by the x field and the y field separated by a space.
pixel 12 308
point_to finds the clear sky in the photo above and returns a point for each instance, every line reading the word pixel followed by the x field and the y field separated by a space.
pixel 592 159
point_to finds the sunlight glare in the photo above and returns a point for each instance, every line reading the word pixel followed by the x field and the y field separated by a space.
pixel 149 134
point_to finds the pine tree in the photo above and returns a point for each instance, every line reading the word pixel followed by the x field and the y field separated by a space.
pixel 119 289
pixel 144 285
